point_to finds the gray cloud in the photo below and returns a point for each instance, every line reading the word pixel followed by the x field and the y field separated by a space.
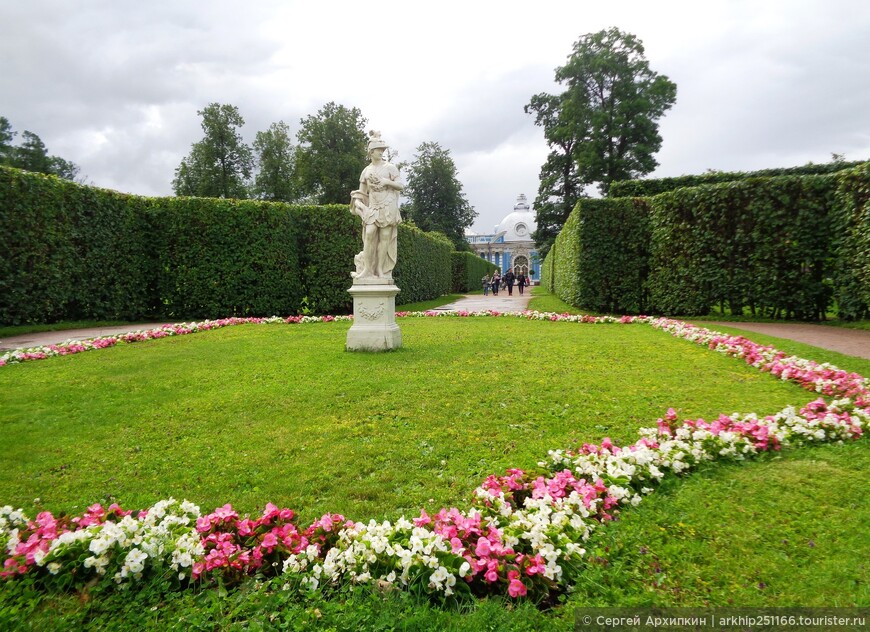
pixel 115 86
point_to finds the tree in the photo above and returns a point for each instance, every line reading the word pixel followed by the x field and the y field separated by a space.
pixel 32 154
pixel 436 201
pixel 276 160
pixel 606 120
pixel 220 164
pixel 560 186
pixel 332 153
pixel 6 136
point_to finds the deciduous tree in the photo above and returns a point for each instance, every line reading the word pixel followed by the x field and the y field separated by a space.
pixel 606 120
pixel 332 153
pixel 32 154
pixel 276 162
pixel 436 201
pixel 560 186
pixel 220 164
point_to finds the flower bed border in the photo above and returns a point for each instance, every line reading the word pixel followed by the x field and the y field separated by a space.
pixel 523 534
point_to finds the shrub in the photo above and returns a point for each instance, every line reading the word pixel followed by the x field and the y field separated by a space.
pixel 468 271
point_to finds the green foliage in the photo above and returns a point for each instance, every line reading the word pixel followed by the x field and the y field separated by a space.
pixel 761 243
pixel 600 260
pixel 32 154
pixel 332 153
pixel 851 231
pixel 436 201
pixel 641 188
pixel 227 257
pixel 602 128
pixel 775 247
pixel 220 164
pixel 616 100
pixel 424 268
pixel 613 262
pixel 331 238
pixel 565 256
pixel 560 186
pixel 71 251
pixel 276 162
pixel 468 271
pixel 74 252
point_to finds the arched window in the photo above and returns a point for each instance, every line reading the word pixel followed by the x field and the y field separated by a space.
pixel 521 265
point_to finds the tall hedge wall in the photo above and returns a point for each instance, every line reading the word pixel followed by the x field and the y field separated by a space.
pixel 600 260
pixel 614 255
pixel 852 240
pixel 762 243
pixel 565 255
pixel 228 257
pixel 646 188
pixel 73 252
pixel 423 270
pixel 781 247
pixel 468 271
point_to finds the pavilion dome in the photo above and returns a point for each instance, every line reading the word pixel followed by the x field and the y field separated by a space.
pixel 520 224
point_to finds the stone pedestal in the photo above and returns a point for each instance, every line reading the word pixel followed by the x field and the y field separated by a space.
pixel 374 316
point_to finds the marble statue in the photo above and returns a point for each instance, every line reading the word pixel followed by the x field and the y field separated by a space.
pixel 376 202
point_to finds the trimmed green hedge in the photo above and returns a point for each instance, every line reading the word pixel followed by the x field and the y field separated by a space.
pixel 468 271
pixel 851 219
pixel 600 260
pixel 762 243
pixel 614 255
pixel 71 252
pixel 565 255
pixel 225 257
pixel 778 247
pixel 647 188
pixel 423 269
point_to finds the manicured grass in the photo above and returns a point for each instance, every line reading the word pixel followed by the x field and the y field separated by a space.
pixel 544 301
pixel 258 413
pixel 781 531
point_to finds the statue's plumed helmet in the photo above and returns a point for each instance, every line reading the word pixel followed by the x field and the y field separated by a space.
pixel 375 141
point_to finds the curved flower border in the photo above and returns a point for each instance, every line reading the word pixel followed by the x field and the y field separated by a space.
pixel 522 535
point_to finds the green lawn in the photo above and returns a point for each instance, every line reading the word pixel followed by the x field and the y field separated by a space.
pixel 259 413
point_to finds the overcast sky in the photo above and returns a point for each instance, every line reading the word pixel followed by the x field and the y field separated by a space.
pixel 115 85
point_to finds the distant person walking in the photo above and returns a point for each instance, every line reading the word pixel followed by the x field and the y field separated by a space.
pixel 486 283
pixel 496 281
pixel 521 281
pixel 510 279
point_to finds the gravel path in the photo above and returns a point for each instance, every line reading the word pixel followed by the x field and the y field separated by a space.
pixel 853 342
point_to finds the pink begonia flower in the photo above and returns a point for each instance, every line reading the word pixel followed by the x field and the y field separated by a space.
pixel 516 588
pixel 246 527
pixel 483 548
pixel 423 520
pixel 270 541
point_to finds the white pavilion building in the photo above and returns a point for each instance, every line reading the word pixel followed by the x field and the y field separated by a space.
pixel 511 245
